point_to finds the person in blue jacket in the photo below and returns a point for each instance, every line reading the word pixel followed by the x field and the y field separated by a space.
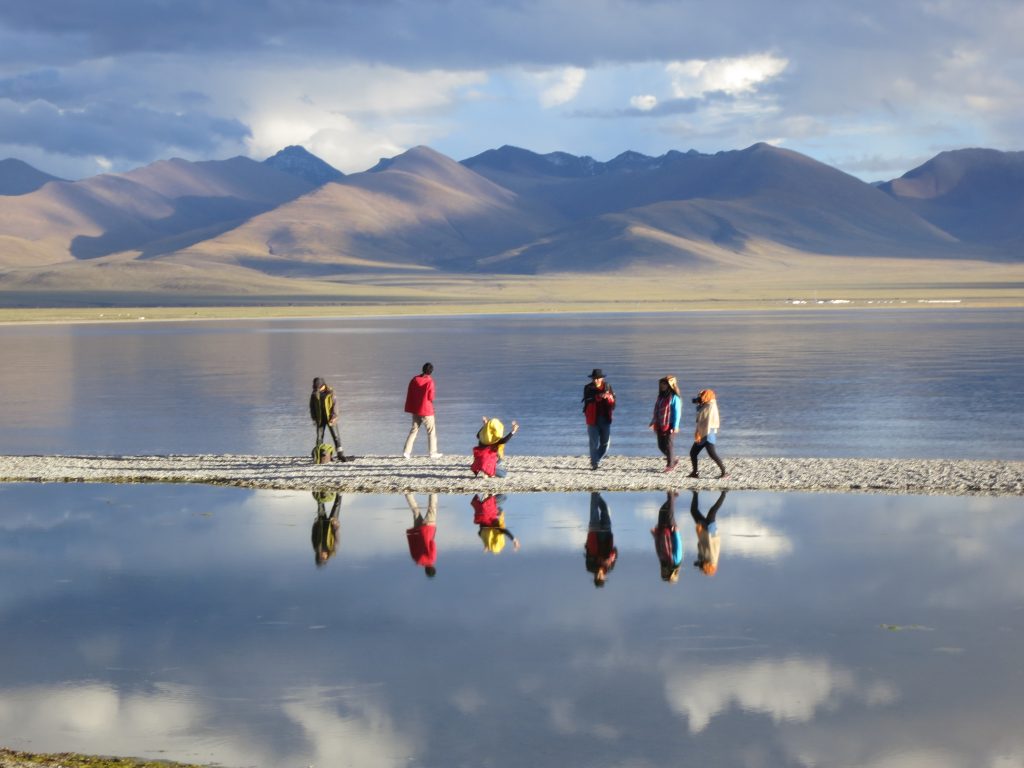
pixel 668 542
pixel 668 412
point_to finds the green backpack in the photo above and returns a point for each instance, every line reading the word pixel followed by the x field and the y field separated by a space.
pixel 323 454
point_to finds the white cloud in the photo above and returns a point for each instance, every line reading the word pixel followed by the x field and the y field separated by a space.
pixel 645 102
pixel 734 76
pixel 559 86
pixel 787 690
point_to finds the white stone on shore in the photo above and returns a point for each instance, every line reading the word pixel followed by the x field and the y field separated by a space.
pixel 451 474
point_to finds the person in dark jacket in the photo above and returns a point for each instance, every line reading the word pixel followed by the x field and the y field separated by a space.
pixel 599 552
pixel 323 410
pixel 325 527
pixel 598 404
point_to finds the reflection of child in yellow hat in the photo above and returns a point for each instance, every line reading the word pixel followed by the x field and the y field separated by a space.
pixel 489 516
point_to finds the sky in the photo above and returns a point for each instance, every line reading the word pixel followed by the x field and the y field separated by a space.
pixel 872 87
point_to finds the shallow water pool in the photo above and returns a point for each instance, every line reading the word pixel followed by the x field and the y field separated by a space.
pixel 240 627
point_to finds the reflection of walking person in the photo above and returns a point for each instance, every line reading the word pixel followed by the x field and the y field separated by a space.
pixel 419 401
pixel 598 404
pixel 600 552
pixel 489 452
pixel 422 536
pixel 668 544
pixel 706 434
pixel 325 528
pixel 668 412
pixel 488 514
pixel 323 409
pixel 709 546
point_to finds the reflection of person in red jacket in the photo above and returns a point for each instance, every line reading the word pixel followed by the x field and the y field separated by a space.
pixel 600 550
pixel 488 514
pixel 419 401
pixel 421 537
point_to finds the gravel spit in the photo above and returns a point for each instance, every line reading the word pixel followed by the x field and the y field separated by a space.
pixel 451 474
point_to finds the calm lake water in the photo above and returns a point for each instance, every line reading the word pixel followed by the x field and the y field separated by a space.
pixel 192 623
pixel 929 383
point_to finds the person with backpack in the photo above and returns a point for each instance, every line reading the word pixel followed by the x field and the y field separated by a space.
pixel 706 434
pixel 323 410
pixel 419 402
pixel 668 412
pixel 325 527
pixel 598 404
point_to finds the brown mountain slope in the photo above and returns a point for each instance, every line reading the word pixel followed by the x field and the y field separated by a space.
pixel 20 178
pixel 139 210
pixel 420 210
pixel 977 195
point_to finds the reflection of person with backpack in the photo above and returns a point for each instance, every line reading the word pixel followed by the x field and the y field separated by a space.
pixel 709 546
pixel 422 536
pixel 600 552
pixel 668 543
pixel 489 515
pixel 706 434
pixel 325 527
pixel 489 452
pixel 323 410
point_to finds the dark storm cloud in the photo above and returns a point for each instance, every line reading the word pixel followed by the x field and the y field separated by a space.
pixel 114 130
pixel 465 33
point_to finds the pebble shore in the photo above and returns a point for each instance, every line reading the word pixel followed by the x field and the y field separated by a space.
pixel 450 474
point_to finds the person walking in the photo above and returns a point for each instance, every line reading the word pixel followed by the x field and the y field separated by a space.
pixel 706 434
pixel 419 401
pixel 323 410
pixel 422 537
pixel 598 405
pixel 709 545
pixel 668 413
pixel 668 543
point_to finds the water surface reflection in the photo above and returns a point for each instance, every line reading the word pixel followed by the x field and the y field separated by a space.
pixel 187 622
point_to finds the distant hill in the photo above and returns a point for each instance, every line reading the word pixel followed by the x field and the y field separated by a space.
pixel 976 195
pixel 292 220
pixel 419 210
pixel 300 162
pixel 20 178
pixel 155 209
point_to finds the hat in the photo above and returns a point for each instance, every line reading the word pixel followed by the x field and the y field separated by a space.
pixel 597 373
pixel 318 382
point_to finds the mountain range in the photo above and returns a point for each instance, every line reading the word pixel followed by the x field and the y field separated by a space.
pixel 293 222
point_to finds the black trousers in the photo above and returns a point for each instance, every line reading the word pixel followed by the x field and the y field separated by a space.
pixel 320 428
pixel 702 445
pixel 666 441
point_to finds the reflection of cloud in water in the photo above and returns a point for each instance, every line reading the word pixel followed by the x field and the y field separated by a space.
pixel 749 537
pixel 99 719
pixel 566 721
pixel 788 690
pixel 357 730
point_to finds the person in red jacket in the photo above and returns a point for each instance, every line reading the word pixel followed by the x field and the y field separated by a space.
pixel 419 401
pixel 422 535
pixel 598 404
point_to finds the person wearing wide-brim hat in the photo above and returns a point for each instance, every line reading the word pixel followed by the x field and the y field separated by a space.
pixel 598 405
